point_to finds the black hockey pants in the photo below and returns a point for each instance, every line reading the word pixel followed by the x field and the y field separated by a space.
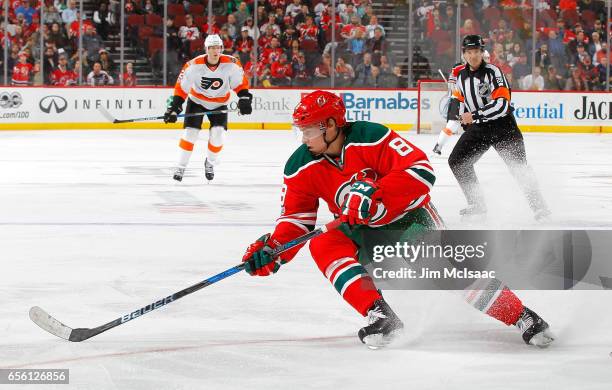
pixel 505 137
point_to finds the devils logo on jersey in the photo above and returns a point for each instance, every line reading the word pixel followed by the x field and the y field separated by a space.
pixel 344 188
pixel 212 83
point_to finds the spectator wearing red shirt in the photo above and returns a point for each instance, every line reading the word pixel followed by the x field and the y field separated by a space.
pixel 228 42
pixel 348 31
pixel 567 5
pixel 62 76
pixel 277 3
pixel 73 31
pixel 129 77
pixel 344 73
pixel 322 72
pixel 326 19
pixel 281 71
pixel 590 72
pixel 271 54
pixel 308 31
pixel 252 67
pixel 214 28
pixel 266 39
pixel 244 45
pixel 22 71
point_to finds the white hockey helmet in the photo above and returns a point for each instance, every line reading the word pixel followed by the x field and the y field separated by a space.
pixel 213 40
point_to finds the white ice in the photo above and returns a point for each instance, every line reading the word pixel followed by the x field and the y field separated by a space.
pixel 92 227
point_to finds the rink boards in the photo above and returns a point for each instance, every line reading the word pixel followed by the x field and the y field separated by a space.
pixel 78 108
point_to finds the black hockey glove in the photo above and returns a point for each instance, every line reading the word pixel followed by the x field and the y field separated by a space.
pixel 175 107
pixel 244 102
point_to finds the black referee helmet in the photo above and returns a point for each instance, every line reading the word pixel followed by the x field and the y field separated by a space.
pixel 472 42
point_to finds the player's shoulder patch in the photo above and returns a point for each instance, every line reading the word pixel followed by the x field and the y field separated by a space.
pixel 458 67
pixel 225 58
pixel 298 160
pixel 363 132
pixel 199 60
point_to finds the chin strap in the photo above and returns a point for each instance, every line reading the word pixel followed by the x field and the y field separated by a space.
pixel 339 129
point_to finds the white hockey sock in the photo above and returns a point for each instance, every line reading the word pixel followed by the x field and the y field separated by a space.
pixel 215 144
pixel 452 127
pixel 186 145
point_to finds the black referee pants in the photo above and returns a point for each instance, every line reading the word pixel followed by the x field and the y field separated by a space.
pixel 506 138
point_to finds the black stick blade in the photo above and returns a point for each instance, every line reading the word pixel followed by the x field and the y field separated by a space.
pixel 50 324
pixel 80 334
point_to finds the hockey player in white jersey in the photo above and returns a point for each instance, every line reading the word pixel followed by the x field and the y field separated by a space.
pixel 205 83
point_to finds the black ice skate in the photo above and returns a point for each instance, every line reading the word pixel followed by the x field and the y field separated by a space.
pixel 178 174
pixel 383 326
pixel 534 329
pixel 437 150
pixel 209 170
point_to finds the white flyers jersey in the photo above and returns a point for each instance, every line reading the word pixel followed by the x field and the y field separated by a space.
pixel 211 87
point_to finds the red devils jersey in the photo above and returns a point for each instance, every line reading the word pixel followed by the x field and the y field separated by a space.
pixel 21 74
pixel 62 78
pixel 281 70
pixel 270 55
pixel 400 169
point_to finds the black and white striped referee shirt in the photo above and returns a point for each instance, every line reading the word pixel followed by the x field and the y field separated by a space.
pixel 484 92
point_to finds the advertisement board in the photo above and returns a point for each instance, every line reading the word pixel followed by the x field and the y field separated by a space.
pixel 78 108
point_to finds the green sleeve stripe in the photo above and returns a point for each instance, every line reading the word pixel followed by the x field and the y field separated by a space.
pixel 423 175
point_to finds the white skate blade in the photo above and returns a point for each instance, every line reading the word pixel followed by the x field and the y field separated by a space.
pixel 542 339
pixel 377 341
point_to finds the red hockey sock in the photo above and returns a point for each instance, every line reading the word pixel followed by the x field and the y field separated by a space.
pixel 362 295
pixel 352 281
pixel 507 307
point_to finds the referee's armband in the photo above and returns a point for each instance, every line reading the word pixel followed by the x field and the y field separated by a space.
pixel 501 92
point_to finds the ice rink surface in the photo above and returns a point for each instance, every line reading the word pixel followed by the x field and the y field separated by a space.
pixel 92 227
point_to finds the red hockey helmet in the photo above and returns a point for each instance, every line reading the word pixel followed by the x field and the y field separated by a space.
pixel 318 107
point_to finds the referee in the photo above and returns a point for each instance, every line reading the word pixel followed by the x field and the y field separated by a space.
pixel 486 115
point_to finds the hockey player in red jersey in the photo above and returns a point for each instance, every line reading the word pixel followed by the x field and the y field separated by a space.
pixel 372 179
pixel 205 82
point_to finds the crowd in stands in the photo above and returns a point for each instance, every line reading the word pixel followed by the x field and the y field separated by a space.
pixel 571 50
pixel 289 42
pixel 59 63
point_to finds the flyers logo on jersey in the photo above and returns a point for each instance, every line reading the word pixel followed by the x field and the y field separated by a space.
pixel 212 83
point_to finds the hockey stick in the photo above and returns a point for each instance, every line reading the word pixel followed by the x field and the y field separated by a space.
pixel 108 116
pixel 443 77
pixel 56 328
